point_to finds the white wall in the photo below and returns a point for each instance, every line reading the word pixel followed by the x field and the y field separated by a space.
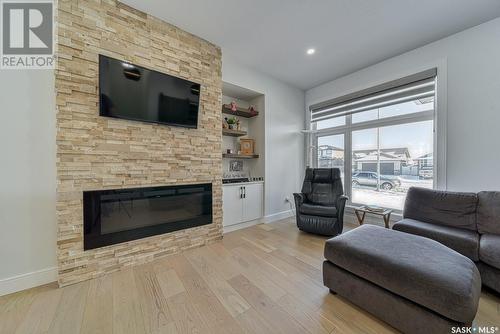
pixel 284 146
pixel 27 179
pixel 469 64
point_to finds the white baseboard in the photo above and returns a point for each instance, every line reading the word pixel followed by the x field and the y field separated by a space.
pixel 239 226
pixel 28 280
pixel 279 216
pixel 266 220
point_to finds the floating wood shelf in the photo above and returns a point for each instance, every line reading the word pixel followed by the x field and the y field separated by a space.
pixel 240 156
pixel 240 112
pixel 233 133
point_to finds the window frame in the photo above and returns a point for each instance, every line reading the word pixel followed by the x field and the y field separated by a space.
pixel 347 129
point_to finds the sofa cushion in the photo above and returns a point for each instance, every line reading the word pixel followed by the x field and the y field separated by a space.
pixel 463 241
pixel 490 276
pixel 489 250
pixel 441 207
pixel 419 269
pixel 488 212
pixel 318 210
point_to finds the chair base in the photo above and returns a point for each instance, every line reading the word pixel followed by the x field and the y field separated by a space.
pixel 319 225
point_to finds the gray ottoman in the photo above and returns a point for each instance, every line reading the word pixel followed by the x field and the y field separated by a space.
pixel 415 284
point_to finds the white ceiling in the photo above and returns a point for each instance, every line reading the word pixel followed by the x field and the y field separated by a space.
pixel 272 36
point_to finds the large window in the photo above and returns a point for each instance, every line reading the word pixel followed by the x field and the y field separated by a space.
pixel 382 148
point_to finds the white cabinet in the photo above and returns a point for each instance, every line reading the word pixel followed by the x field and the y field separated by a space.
pixel 242 202
pixel 252 201
pixel 232 205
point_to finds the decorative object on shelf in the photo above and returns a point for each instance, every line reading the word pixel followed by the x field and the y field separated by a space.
pixel 229 151
pixel 247 146
pixel 233 105
pixel 231 122
pixel 238 125
pixel 252 111
pixel 224 124
pixel 235 166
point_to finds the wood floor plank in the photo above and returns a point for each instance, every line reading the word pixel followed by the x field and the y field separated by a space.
pixel 259 244
pixel 251 270
pixel 280 321
pixel 155 311
pixel 14 307
pixel 98 314
pixel 211 311
pixel 306 315
pixel 265 227
pixel 224 262
pixel 313 272
pixel 231 300
pixel 349 317
pixel 69 313
pixel 186 318
pixel 252 322
pixel 127 314
pixel 169 282
pixel 290 281
pixel 41 313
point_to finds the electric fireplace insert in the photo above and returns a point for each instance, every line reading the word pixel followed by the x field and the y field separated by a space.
pixel 119 215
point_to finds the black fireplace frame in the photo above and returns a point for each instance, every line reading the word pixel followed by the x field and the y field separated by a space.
pixel 92 237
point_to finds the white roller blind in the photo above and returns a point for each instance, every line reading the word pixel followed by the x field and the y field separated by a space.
pixel 417 86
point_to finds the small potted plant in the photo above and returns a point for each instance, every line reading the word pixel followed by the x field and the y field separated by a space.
pixel 231 122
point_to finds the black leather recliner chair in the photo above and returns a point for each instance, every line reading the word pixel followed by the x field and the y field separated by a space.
pixel 320 205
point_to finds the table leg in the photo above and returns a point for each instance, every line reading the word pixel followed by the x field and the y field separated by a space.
pixel 360 218
pixel 387 218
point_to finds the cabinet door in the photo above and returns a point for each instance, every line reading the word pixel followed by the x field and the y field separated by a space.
pixel 253 201
pixel 232 205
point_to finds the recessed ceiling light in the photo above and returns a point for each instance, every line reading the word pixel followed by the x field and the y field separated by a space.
pixel 311 51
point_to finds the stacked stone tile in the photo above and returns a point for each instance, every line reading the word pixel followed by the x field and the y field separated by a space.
pixel 96 153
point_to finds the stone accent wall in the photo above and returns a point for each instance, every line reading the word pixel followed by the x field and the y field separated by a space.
pixel 102 153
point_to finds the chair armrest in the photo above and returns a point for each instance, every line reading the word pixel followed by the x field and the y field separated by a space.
pixel 299 199
pixel 340 205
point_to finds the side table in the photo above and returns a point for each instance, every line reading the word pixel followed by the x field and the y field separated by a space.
pixel 363 210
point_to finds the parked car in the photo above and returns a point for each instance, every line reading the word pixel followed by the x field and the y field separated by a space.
pixel 426 173
pixel 370 179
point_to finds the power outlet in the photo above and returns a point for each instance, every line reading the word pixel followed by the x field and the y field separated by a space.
pixel 288 199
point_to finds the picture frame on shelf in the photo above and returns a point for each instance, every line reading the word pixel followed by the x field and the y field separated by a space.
pixel 235 166
pixel 247 146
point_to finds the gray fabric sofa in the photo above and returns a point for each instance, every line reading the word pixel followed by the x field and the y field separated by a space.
pixel 468 223
pixel 415 284
pixel 320 205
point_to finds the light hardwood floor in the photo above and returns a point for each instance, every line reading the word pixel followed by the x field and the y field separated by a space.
pixel 263 279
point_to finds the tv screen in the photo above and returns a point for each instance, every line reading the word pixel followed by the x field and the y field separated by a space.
pixel 133 92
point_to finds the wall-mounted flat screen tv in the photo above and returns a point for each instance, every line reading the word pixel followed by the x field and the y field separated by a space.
pixel 136 93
